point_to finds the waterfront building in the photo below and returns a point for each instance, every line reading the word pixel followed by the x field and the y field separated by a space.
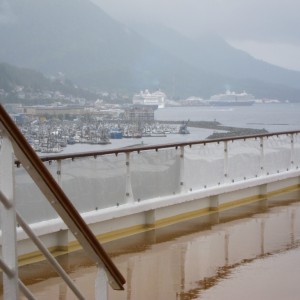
pixel 140 113
pixel 42 110
pixel 13 108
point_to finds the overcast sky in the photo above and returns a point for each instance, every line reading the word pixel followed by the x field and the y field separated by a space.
pixel 267 29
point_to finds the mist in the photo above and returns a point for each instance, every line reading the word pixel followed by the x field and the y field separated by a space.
pixel 258 27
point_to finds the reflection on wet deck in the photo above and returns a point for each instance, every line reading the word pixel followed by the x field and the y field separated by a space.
pixel 180 261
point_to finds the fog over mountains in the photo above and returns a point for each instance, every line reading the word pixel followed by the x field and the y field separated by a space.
pixel 92 49
pixel 35 86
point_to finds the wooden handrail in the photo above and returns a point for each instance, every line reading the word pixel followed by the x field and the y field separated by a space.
pixel 58 199
pixel 160 146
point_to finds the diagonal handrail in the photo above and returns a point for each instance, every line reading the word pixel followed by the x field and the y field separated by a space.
pixel 43 249
pixel 58 199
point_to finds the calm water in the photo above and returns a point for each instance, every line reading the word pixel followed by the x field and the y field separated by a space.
pixel 272 117
pixel 250 252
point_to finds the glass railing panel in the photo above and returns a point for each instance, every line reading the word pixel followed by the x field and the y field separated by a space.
pixel 155 173
pixel 296 158
pixel 204 165
pixel 93 183
pixel 30 202
pixel 243 159
pixel 277 153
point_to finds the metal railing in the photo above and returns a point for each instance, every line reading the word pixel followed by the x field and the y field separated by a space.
pixel 14 145
pixel 264 144
pixel 139 149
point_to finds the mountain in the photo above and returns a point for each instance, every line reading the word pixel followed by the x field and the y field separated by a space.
pixel 77 38
pixel 214 54
pixel 26 84
pixel 80 40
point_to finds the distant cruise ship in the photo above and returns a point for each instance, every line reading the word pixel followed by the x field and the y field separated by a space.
pixel 146 98
pixel 232 99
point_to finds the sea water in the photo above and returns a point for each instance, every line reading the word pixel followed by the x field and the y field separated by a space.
pixel 272 117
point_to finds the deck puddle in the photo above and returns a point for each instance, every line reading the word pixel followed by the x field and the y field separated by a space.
pixel 249 252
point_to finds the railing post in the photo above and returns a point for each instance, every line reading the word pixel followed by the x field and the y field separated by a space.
pixel 181 170
pixel 129 193
pixel 101 288
pixel 262 156
pixel 292 152
pixel 226 175
pixel 8 220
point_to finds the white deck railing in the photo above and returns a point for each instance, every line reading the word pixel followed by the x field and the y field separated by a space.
pixel 103 179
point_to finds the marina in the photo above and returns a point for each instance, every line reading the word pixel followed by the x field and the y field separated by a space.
pixel 170 124
pixel 53 136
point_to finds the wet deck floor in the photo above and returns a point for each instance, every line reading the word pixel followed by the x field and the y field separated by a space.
pixel 249 252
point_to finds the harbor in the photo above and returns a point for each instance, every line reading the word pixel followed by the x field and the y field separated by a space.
pixel 56 135
pixel 59 129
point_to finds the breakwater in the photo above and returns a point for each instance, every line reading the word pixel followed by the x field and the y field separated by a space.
pixel 223 131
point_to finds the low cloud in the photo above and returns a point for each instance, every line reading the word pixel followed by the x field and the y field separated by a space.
pixel 267 20
pixel 6 14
